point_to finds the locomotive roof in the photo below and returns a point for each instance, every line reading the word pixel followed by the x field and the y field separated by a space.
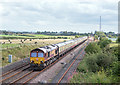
pixel 64 43
pixel 46 49
pixel 60 44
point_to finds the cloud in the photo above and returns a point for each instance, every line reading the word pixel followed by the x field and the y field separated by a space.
pixel 70 15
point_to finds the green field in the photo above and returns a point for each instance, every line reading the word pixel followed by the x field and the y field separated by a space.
pixel 8 45
pixel 20 45
pixel 13 36
pixel 114 44
pixel 24 36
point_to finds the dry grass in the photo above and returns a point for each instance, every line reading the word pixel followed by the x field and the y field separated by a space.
pixel 24 51
pixel 17 41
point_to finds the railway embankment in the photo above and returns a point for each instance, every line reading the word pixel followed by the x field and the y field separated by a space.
pixel 100 64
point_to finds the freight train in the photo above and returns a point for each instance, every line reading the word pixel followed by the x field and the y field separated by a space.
pixel 43 56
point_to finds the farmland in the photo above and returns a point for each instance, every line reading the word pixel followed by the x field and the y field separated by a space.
pixel 114 44
pixel 20 45
pixel 34 36
pixel 22 50
pixel 8 43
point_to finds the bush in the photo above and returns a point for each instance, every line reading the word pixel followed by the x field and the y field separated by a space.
pixel 98 77
pixel 103 38
pixel 91 62
pixel 92 48
pixel 116 68
pixel 118 40
pixel 82 67
pixel 77 36
pixel 104 42
pixel 114 72
pixel 96 37
pixel 96 62
pixel 116 51
pixel 105 60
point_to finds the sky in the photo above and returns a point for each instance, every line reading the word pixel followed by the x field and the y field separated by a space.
pixel 81 16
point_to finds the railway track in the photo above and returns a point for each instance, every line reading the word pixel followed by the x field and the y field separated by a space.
pixel 32 74
pixel 3 74
pixel 62 76
pixel 12 74
pixel 59 81
pixel 26 75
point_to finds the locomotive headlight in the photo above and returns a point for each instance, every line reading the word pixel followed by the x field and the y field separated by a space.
pixel 32 61
pixel 41 61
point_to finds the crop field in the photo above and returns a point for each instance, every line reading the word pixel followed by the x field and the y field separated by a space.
pixel 19 46
pixel 34 36
pixel 22 50
pixel 18 42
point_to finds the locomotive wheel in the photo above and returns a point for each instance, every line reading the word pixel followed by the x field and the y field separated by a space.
pixel 51 61
pixel 54 58
pixel 48 62
pixel 43 66
pixel 45 63
pixel 31 68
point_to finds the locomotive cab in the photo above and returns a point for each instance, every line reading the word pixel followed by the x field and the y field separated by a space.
pixel 43 56
pixel 37 58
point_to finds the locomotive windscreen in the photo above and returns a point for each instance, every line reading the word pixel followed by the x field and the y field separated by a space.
pixel 33 54
pixel 37 54
pixel 40 55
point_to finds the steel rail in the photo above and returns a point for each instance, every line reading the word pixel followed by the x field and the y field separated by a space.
pixel 13 70
pixel 12 75
pixel 22 77
pixel 70 67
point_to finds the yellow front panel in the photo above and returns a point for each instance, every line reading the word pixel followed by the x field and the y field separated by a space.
pixel 37 60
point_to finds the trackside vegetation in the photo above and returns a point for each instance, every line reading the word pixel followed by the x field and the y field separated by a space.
pixel 100 64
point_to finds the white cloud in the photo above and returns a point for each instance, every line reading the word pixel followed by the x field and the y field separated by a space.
pixel 57 15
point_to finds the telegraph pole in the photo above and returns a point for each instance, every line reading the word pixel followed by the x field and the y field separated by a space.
pixel 100 23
